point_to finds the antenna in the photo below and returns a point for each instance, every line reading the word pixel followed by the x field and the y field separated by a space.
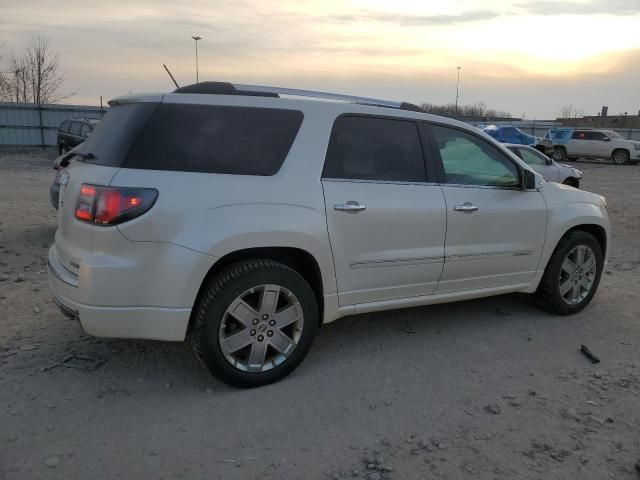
pixel 172 79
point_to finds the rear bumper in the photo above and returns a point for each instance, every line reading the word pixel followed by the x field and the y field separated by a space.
pixel 102 304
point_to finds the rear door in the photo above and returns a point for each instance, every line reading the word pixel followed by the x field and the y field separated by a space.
pixel 495 230
pixel 386 222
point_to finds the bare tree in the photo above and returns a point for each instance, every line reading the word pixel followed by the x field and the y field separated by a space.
pixel 33 76
pixel 569 111
pixel 479 110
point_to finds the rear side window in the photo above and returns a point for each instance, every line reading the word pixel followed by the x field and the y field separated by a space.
pixel 75 128
pixel 369 148
pixel 215 139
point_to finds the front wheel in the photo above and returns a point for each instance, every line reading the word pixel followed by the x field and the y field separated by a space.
pixel 254 323
pixel 620 157
pixel 572 274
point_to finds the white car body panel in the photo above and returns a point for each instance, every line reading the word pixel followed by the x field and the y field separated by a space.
pixel 393 249
pixel 141 278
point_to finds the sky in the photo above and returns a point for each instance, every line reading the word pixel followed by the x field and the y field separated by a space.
pixel 526 57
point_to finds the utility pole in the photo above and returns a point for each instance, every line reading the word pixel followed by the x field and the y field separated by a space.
pixel 196 38
pixel 458 89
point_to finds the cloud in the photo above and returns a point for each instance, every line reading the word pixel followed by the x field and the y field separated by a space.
pixel 414 20
pixel 591 7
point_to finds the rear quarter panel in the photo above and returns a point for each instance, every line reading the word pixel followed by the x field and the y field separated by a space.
pixel 218 214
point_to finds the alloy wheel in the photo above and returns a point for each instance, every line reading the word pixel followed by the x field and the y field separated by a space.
pixel 261 328
pixel 577 274
pixel 620 158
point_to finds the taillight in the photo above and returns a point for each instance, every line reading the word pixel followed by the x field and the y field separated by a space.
pixel 107 206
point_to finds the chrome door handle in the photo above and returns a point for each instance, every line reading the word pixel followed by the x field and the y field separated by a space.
pixel 465 207
pixel 351 207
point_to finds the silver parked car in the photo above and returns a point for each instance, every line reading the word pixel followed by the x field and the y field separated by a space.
pixel 551 170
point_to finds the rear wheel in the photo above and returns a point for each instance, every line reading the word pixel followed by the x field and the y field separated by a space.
pixel 559 154
pixel 254 323
pixel 572 274
pixel 620 157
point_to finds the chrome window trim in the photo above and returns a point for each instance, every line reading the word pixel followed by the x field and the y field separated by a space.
pixel 384 182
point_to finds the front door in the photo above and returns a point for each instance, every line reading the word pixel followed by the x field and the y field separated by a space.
pixel 598 147
pixel 495 230
pixel 386 223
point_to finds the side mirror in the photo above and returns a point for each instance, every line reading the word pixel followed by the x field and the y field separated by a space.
pixel 606 139
pixel 529 180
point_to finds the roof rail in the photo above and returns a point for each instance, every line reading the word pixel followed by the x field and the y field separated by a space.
pixel 225 88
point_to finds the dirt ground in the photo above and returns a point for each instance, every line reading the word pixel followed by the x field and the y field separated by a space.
pixel 487 389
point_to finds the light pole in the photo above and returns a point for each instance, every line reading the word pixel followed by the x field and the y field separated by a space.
pixel 458 89
pixel 196 38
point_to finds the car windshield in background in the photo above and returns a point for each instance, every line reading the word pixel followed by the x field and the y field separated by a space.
pixel 112 137
pixel 612 134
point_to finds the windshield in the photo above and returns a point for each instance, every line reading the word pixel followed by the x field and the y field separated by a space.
pixel 612 134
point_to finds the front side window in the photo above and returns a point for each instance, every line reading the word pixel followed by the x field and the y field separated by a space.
pixel 598 136
pixel 470 160
pixel 215 139
pixel 370 148
pixel 532 157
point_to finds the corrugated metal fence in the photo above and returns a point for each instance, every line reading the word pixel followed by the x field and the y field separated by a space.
pixel 28 124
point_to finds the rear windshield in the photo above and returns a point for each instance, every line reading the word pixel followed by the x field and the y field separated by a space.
pixel 112 137
pixel 215 139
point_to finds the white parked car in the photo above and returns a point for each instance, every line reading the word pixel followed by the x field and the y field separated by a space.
pixel 242 218
pixel 587 142
pixel 551 171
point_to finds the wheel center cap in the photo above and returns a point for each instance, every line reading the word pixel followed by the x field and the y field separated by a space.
pixel 262 327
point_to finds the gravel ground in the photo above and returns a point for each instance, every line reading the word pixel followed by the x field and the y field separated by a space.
pixel 491 389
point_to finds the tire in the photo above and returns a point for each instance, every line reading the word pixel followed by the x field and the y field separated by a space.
pixel 245 284
pixel 559 154
pixel 549 296
pixel 620 157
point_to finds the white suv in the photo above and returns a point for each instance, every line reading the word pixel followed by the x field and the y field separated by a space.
pixel 586 142
pixel 242 218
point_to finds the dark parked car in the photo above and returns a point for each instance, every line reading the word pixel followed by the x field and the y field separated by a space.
pixel 70 134
pixel 74 132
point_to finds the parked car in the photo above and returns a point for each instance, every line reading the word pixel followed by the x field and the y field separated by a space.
pixel 511 134
pixel 545 166
pixel 572 143
pixel 73 132
pixel 242 221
